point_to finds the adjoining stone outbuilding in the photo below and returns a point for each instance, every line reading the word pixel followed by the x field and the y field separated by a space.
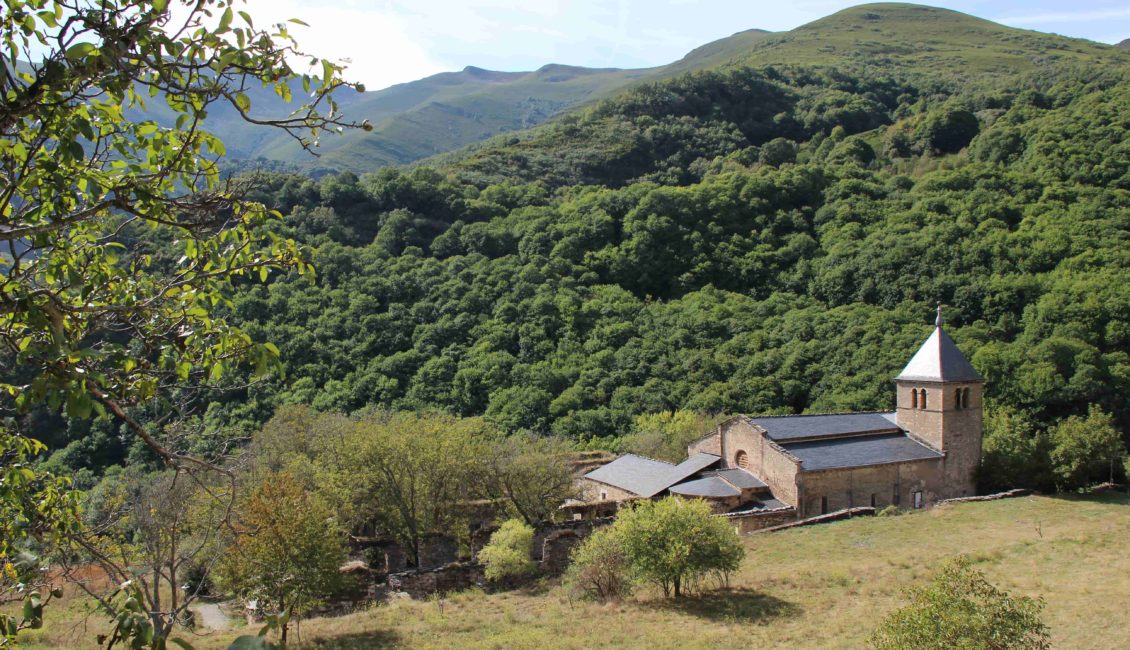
pixel 927 450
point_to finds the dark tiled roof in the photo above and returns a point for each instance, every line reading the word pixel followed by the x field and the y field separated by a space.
pixel 647 477
pixel 794 427
pixel 739 478
pixel 696 463
pixel 939 360
pixel 859 451
pixel 711 486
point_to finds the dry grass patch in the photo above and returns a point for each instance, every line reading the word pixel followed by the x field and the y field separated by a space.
pixel 819 587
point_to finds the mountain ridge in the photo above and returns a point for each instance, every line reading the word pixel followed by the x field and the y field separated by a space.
pixel 451 110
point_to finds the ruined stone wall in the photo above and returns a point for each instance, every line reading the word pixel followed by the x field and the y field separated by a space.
pixel 754 522
pixel 892 483
pixel 457 576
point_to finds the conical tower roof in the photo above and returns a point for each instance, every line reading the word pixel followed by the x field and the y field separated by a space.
pixel 939 360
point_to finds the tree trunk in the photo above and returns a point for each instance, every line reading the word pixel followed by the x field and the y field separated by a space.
pixel 678 592
pixel 282 634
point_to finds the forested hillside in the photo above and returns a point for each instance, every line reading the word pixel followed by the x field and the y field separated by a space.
pixel 759 239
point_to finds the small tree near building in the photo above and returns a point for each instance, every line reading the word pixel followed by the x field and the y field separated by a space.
pixel 1086 450
pixel 600 569
pixel 677 543
pixel 960 609
pixel 289 552
pixel 508 554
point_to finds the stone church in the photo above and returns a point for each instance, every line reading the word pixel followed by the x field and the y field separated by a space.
pixel 800 466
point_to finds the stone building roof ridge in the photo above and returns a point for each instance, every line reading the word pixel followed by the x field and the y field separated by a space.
pixel 805 415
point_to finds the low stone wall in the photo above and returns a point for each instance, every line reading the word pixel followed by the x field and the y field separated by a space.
pixel 546 535
pixel 752 522
pixel 846 513
pixel 988 497
pixel 456 576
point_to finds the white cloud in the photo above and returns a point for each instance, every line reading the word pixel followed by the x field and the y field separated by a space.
pixel 373 39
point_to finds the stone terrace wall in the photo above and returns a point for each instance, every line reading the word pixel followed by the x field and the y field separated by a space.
pixel 456 576
pixel 755 521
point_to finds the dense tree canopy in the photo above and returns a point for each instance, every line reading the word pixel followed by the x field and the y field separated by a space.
pixel 724 279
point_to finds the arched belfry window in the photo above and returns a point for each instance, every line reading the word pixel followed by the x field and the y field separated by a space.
pixel 741 459
pixel 922 400
pixel 957 399
pixel 964 398
pixel 913 398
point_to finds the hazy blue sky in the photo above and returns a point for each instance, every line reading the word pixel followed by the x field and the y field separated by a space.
pixel 391 41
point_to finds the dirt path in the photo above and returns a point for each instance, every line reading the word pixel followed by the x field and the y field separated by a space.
pixel 210 616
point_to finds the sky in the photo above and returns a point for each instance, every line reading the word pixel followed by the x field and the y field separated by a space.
pixel 393 41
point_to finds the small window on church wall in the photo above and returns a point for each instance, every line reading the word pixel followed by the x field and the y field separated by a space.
pixel 603 496
pixel 913 398
pixel 823 505
pixel 964 398
pixel 922 399
pixel 917 499
pixel 741 459
pixel 874 500
pixel 957 399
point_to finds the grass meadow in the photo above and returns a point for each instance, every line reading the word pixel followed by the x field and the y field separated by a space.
pixel 817 587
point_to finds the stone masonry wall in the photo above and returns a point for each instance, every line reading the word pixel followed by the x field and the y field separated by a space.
pixel 591 491
pixel 942 425
pixel 893 483
pixel 750 523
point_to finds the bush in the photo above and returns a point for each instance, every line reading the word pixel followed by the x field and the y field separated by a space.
pixel 507 555
pixel 889 511
pixel 1086 449
pixel 960 609
pixel 600 569
pixel 677 543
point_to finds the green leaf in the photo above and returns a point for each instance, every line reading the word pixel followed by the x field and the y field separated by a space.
pixel 225 20
pixel 243 102
pixel 79 50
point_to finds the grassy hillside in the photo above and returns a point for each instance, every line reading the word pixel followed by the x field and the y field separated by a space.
pixel 921 38
pixel 820 587
pixel 447 111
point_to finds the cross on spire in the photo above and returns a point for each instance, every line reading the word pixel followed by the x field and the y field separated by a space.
pixel 938 320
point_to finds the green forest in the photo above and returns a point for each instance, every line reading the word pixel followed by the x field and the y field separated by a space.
pixel 766 240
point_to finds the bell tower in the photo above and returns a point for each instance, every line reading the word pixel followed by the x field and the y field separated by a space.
pixel 939 403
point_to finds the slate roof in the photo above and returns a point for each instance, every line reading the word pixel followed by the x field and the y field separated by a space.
pixel 768 503
pixel 794 427
pixel 711 486
pixel 647 477
pixel 739 478
pixel 859 451
pixel 939 360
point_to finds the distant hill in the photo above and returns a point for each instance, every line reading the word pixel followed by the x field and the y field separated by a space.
pixel 1124 44
pixel 447 111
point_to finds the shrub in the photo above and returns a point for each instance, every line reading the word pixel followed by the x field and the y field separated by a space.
pixel 676 543
pixel 1086 449
pixel 960 609
pixel 599 568
pixel 889 511
pixel 507 555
